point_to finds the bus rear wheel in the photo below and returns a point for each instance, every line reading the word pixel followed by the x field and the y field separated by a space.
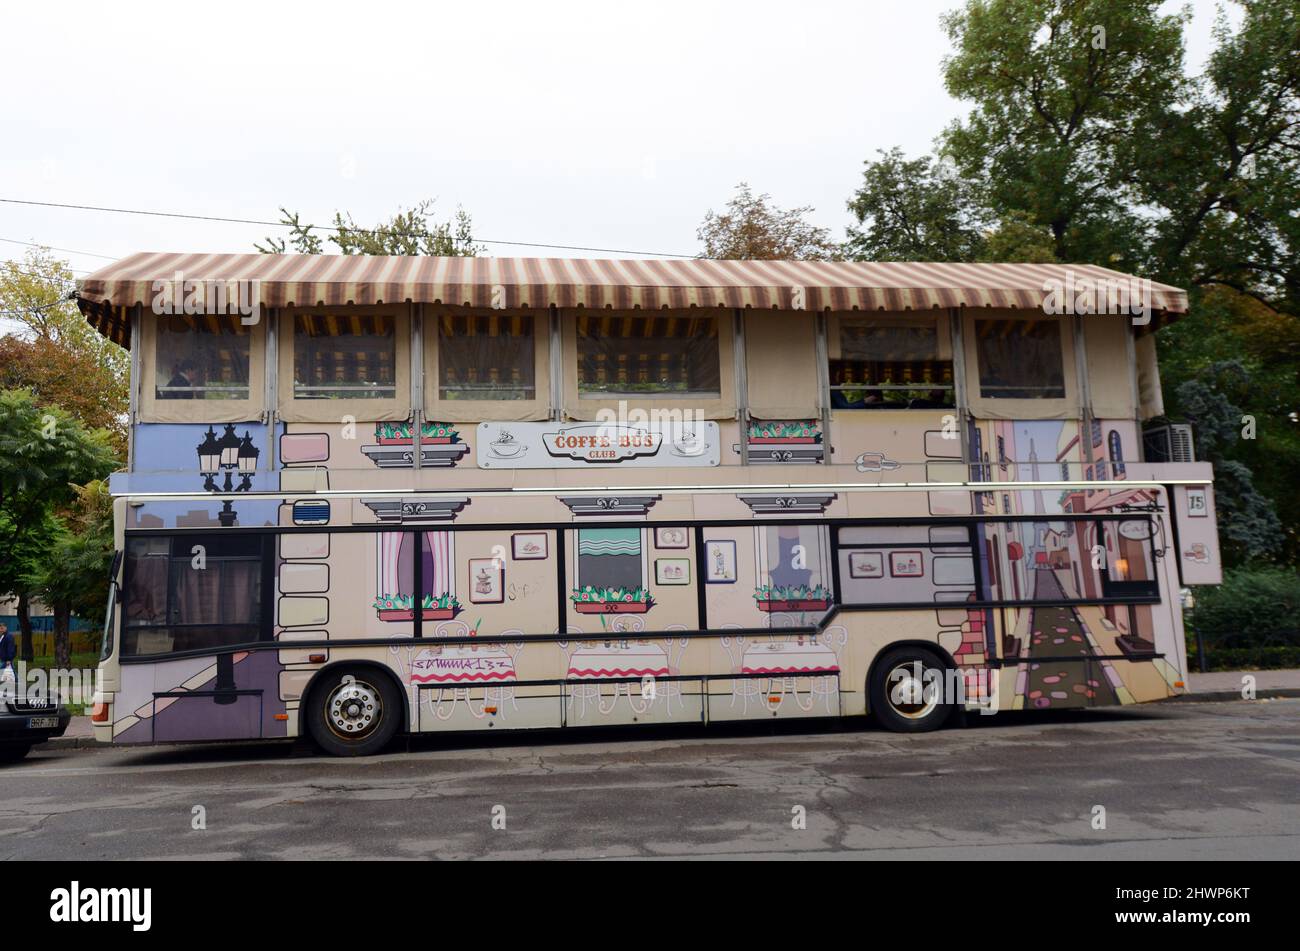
pixel 354 712
pixel 906 691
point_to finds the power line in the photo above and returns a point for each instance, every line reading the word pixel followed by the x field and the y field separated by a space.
pixel 50 247
pixel 345 228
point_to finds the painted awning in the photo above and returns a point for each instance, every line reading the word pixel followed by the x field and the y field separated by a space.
pixel 334 280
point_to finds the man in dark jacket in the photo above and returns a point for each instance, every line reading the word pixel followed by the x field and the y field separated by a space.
pixel 8 651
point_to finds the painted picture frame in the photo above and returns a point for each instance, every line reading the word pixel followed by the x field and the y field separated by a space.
pixel 487 581
pixel 866 564
pixel 529 546
pixel 672 537
pixel 906 564
pixel 670 571
pixel 720 561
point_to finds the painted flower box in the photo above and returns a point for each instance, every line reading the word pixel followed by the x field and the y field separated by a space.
pixel 612 607
pixel 808 604
pixel 428 614
pixel 611 600
pixel 401 607
pixel 773 599
pixel 400 434
pixel 787 433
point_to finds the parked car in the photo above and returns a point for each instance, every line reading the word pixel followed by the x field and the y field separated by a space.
pixel 26 721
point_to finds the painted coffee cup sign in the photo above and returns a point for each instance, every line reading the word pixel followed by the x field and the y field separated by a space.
pixel 582 445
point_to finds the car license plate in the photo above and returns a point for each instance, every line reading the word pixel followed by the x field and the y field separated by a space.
pixel 42 723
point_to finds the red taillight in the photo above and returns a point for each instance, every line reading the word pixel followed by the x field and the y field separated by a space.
pixel 99 712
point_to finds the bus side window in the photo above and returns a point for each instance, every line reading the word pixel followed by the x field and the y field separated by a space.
pixel 192 592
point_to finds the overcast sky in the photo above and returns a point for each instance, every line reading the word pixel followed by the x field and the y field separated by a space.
pixel 607 124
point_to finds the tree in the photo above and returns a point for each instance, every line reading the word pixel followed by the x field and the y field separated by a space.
pixel 73 578
pixel 1226 170
pixel 55 353
pixel 44 454
pixel 1059 89
pixel 412 232
pixel 754 229
pixel 1086 142
pixel 914 210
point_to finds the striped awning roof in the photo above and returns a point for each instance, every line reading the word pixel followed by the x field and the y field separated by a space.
pixel 334 280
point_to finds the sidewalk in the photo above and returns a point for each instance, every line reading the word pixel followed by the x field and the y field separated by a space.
pixel 1227 684
pixel 1221 686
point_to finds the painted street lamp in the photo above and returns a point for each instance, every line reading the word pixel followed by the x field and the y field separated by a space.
pixel 227 455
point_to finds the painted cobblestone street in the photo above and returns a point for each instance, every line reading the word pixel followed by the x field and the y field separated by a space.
pixel 1058 632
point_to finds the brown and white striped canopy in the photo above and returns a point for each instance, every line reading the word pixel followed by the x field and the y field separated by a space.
pixel 300 280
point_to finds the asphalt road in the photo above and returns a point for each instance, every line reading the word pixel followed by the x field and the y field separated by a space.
pixel 1183 780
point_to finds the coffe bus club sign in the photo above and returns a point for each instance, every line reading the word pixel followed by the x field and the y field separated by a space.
pixel 584 445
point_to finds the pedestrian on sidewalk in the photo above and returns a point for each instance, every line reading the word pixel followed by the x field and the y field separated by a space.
pixel 8 651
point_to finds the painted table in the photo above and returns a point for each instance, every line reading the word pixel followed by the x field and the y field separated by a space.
pixel 618 660
pixel 462 664
pixel 787 658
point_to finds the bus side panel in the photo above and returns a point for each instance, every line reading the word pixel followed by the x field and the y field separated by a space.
pixel 215 697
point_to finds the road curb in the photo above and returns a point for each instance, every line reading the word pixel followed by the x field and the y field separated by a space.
pixel 1223 696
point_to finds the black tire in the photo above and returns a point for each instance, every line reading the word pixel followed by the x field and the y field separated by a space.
pixel 892 698
pixel 353 711
pixel 13 752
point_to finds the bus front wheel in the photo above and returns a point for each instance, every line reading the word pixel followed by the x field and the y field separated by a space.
pixel 354 712
pixel 906 691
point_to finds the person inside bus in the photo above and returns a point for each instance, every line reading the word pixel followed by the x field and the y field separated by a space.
pixel 181 385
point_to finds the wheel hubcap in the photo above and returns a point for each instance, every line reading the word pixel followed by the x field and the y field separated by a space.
pixel 353 709
pixel 909 694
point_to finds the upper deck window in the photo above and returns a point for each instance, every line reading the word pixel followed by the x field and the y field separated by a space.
pixel 891 363
pixel 338 356
pixel 660 356
pixel 486 357
pixel 1020 359
pixel 201 358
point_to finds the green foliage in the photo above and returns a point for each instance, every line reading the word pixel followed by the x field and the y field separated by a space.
pixel 1059 88
pixel 411 233
pixel 752 228
pixel 44 455
pixel 1231 368
pixel 914 210
pixel 1257 606
pixel 55 353
pixel 75 571
pixel 1087 143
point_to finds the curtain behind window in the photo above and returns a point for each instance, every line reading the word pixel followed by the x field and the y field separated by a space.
pixel 1020 359
pixel 344 356
pixel 663 356
pixel 201 358
pixel 486 357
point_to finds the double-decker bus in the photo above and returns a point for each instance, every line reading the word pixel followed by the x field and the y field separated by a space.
pixel 599 493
